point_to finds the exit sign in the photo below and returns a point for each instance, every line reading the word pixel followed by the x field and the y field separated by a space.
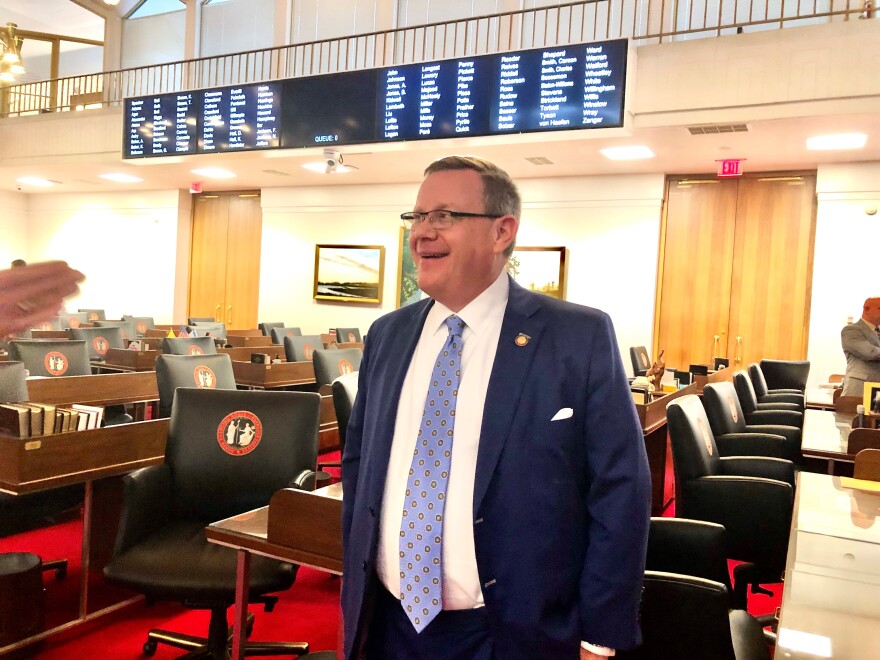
pixel 730 167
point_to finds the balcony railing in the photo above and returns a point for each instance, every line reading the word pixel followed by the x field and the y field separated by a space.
pixel 643 21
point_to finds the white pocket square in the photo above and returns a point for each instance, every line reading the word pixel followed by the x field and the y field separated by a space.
pixel 564 413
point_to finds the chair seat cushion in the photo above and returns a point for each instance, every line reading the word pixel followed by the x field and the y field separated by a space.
pixel 178 563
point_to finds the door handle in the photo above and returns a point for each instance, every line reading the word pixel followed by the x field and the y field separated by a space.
pixel 739 347
pixel 217 312
pixel 715 345
pixel 229 315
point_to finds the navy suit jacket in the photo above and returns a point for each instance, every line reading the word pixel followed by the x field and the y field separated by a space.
pixel 561 508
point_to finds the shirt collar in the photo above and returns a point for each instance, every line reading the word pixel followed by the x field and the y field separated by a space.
pixel 478 312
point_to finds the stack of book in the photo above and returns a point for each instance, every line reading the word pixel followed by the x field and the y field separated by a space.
pixel 31 420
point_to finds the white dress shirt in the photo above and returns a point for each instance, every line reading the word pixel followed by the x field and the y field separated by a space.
pixel 483 316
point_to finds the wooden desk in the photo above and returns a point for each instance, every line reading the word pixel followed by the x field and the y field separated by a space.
pixel 123 359
pixel 252 332
pixel 97 390
pixel 248 534
pixel 268 376
pixel 826 436
pixel 243 353
pixel 49 334
pixel 652 417
pixel 820 398
pixel 249 341
pixel 831 599
pixel 87 457
pixel 720 376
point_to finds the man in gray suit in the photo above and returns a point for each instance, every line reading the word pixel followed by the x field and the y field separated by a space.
pixel 861 346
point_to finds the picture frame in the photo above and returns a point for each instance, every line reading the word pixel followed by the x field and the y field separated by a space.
pixel 349 273
pixel 539 269
pixel 871 398
pixel 408 290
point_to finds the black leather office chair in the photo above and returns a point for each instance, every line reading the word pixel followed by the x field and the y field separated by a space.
pixel 344 392
pixel 301 349
pixel 765 395
pixel 640 360
pixel 750 402
pixel 212 372
pixel 686 606
pixel 141 323
pixel 739 435
pixel 785 374
pixel 129 331
pixel 266 328
pixel 227 453
pixel 751 496
pixel 52 357
pixel 72 319
pixel 216 330
pixel 330 364
pixel 278 334
pixel 189 346
pixel 98 340
pixel 347 335
pixel 93 315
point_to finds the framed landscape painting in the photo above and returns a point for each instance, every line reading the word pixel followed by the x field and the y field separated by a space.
pixel 540 269
pixel 349 273
pixel 408 290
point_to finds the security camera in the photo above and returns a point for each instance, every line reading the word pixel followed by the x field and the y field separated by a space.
pixel 332 159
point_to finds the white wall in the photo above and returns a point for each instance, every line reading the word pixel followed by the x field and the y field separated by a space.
pixel 603 221
pixel 845 262
pixel 12 227
pixel 125 243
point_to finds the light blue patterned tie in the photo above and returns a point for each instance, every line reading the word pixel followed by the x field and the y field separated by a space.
pixel 421 533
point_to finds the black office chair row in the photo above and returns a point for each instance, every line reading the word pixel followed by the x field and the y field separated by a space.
pixel 751 496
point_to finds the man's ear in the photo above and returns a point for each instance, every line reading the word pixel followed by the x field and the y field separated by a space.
pixel 505 232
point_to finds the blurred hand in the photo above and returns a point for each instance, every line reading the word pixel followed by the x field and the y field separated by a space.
pixel 34 293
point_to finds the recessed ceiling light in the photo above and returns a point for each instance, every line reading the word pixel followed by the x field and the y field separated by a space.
pixel 627 153
pixel 838 141
pixel 36 181
pixel 119 177
pixel 214 173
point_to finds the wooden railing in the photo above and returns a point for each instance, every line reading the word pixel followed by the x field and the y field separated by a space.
pixel 643 21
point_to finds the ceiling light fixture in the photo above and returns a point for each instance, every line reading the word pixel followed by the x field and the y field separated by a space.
pixel 36 181
pixel 112 3
pixel 119 177
pixel 627 153
pixel 332 164
pixel 10 60
pixel 837 141
pixel 214 173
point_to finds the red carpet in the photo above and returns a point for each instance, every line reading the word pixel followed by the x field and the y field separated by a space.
pixel 308 612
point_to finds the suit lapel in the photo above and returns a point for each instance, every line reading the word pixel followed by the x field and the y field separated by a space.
pixel 508 379
pixel 397 357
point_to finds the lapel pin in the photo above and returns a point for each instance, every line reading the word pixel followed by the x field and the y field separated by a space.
pixel 521 339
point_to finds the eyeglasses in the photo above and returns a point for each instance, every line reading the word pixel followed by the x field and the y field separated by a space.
pixel 439 218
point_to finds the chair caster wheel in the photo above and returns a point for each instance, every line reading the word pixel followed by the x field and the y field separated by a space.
pixel 149 648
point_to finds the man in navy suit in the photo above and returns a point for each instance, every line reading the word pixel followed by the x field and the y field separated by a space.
pixel 542 514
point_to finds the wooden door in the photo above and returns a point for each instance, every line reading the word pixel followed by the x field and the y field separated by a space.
pixel 207 280
pixel 243 261
pixel 772 269
pixel 225 261
pixel 736 274
pixel 697 263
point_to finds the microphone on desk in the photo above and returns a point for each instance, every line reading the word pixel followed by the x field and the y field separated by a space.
pixel 860 409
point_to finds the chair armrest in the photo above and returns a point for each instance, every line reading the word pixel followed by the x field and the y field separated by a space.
pixel 146 504
pixel 782 398
pixel 780 406
pixel 305 480
pixel 790 418
pixel 751 509
pixel 786 390
pixel 752 444
pixel 792 435
pixel 777 469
